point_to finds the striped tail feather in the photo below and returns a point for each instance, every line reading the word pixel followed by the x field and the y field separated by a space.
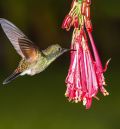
pixel 11 77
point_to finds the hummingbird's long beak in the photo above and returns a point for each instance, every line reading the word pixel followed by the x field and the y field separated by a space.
pixel 66 50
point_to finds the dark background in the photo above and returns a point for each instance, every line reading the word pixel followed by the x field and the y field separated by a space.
pixel 38 102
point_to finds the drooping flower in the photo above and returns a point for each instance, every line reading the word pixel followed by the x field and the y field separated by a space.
pixel 85 75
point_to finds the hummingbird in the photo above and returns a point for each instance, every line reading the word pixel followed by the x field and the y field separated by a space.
pixel 33 59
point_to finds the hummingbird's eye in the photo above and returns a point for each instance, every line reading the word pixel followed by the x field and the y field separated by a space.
pixel 59 49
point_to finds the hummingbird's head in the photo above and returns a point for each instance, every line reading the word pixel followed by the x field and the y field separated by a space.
pixel 55 51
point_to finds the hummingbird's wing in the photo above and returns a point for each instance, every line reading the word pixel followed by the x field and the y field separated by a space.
pixel 24 47
pixel 29 49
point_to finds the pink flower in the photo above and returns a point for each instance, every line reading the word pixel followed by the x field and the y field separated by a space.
pixel 67 22
pixel 85 75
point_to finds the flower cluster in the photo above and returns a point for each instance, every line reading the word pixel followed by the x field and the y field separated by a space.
pixel 85 76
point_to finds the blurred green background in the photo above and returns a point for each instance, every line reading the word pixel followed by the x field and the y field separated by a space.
pixel 38 102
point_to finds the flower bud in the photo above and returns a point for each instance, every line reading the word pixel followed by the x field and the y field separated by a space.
pixel 88 25
pixel 87 12
pixel 88 2
pixel 83 8
pixel 67 22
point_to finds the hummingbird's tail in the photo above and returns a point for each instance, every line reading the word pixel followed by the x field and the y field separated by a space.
pixel 14 75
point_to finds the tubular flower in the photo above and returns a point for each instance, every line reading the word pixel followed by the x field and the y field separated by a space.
pixel 85 75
